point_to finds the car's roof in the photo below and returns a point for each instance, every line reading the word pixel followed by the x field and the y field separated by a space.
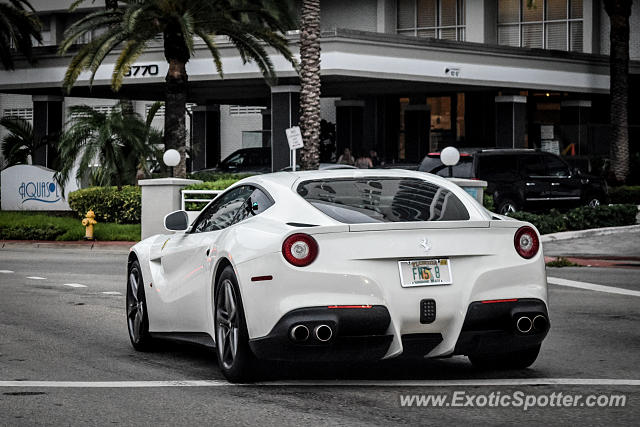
pixel 289 179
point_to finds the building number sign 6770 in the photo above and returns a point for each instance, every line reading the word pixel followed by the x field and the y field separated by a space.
pixel 142 70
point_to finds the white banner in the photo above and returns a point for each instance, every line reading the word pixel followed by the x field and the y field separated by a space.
pixel 32 188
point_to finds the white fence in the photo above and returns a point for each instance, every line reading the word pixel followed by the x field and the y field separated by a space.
pixel 202 201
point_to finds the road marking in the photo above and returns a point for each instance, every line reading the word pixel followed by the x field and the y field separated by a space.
pixel 330 383
pixel 75 285
pixel 592 286
pixel 6 272
pixel 36 278
pixel 112 293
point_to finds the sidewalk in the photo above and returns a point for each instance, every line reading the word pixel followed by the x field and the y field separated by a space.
pixel 621 249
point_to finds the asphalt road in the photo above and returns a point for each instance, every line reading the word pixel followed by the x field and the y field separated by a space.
pixel 50 331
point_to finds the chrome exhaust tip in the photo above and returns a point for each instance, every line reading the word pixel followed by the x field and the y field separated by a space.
pixel 299 333
pixel 323 333
pixel 524 325
pixel 540 323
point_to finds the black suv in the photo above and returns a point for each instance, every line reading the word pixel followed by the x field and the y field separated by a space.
pixel 524 179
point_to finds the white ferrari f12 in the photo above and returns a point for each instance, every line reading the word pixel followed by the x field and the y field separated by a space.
pixel 342 265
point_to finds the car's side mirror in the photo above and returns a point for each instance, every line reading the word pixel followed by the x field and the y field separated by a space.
pixel 176 221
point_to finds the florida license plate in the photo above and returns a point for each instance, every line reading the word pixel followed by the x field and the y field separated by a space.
pixel 425 272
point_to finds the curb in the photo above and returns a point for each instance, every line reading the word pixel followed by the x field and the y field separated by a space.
pixel 119 245
pixel 592 232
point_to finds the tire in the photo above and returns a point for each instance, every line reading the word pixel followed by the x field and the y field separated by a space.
pixel 593 201
pixel 507 206
pixel 137 313
pixel 513 360
pixel 231 331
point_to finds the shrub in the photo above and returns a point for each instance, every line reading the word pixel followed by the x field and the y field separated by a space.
pixel 562 262
pixel 581 218
pixel 487 202
pixel 625 194
pixel 217 176
pixel 122 206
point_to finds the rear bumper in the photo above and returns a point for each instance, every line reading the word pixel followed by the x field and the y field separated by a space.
pixel 489 328
pixel 357 334
pixel 363 334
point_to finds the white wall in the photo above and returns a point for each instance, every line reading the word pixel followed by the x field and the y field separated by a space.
pixel 231 128
pixel 351 14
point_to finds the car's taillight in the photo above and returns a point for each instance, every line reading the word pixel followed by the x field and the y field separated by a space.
pixel 300 249
pixel 526 242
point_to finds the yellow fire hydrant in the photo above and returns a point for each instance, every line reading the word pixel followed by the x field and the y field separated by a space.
pixel 89 222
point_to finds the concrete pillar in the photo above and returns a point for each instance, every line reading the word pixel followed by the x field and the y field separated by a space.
pixel 575 130
pixel 387 16
pixel 480 18
pixel 160 197
pixel 591 26
pixel 47 123
pixel 205 137
pixel 349 125
pixel 511 121
pixel 285 112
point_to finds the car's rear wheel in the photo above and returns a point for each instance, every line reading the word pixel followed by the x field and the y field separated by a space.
pixel 593 201
pixel 137 316
pixel 511 360
pixel 235 359
pixel 507 206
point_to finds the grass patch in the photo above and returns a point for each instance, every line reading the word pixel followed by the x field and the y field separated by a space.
pixel 562 262
pixel 38 226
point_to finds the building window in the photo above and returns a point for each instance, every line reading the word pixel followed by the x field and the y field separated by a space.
pixel 543 24
pixel 23 113
pixel 440 19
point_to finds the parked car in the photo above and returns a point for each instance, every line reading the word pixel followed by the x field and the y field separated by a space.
pixel 246 160
pixel 525 179
pixel 323 167
pixel 342 266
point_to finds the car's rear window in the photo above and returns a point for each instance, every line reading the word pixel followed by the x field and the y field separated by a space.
pixel 366 200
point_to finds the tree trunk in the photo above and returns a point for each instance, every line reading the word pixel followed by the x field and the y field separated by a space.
pixel 175 134
pixel 619 12
pixel 310 83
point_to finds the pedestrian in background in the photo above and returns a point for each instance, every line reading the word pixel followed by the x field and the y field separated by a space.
pixel 346 158
pixel 364 162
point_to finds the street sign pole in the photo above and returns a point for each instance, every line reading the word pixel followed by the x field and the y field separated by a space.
pixel 294 138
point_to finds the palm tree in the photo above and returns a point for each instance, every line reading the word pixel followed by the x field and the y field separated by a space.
pixel 19 144
pixel 310 83
pixel 19 26
pixel 619 12
pixel 250 25
pixel 113 146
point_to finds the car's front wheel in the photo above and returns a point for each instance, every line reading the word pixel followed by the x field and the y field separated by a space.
pixel 235 358
pixel 137 316
pixel 510 360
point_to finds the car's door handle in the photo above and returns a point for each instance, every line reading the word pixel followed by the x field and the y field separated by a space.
pixel 555 183
pixel 530 184
pixel 208 252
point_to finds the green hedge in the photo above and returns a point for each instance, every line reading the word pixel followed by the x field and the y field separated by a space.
pixel 625 195
pixel 38 226
pixel 217 176
pixel 581 218
pixel 122 206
